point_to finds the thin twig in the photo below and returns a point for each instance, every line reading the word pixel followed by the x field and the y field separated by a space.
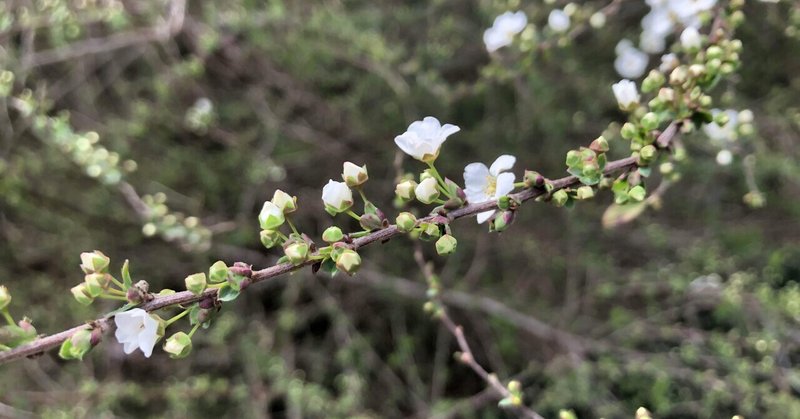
pixel 185 297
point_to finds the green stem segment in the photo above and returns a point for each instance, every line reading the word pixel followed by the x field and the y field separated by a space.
pixel 354 215
pixel 194 329
pixel 9 319
pixel 117 283
pixel 440 180
pixel 177 317
pixel 291 225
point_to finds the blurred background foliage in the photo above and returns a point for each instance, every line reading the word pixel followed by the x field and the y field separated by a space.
pixel 691 310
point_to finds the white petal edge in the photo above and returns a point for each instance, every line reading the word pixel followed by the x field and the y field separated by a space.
pixel 483 216
pixel 505 184
pixel 501 164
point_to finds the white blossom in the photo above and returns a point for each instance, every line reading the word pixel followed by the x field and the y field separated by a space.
pixel 690 38
pixel 337 197
pixel 423 139
pixel 668 63
pixel 486 184
pixel 626 93
pixel 136 329
pixel 630 63
pixel 558 20
pixel 652 42
pixel 726 133
pixel 724 157
pixel 271 216
pixel 503 30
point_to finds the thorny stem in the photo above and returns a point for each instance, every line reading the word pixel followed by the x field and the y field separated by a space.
pixel 48 342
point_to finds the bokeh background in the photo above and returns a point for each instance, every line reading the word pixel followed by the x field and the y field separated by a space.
pixel 691 310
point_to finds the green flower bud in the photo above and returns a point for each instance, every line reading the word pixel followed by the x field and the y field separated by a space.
pixel 271 216
pixel 666 94
pixel 405 190
pixel 721 118
pixel 637 193
pixel 678 76
pixel 96 283
pixel 628 131
pixel 332 234
pixel 96 261
pixel 406 222
pixel 649 121
pixel 446 245
pixel 81 294
pixel 503 202
pixel 727 68
pixel 647 152
pixel 746 129
pixel 697 70
pixel 270 238
pixel 77 345
pixel 354 175
pixel 349 261
pixel 5 297
pixel 284 201
pixel 706 101
pixel 218 272
pixel 514 386
pixel 178 345
pixel 714 52
pixel 599 145
pixel 654 80
pixel 573 158
pixel 296 252
pixel 196 283
pixel 370 222
pixel 585 192
pixel 560 197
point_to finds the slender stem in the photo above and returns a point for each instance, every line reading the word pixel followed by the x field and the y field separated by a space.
pixel 363 196
pixel 519 185
pixel 194 329
pixel 177 317
pixel 438 177
pixel 283 236
pixel 112 297
pixel 291 225
pixel 117 283
pixel 9 319
pixel 358 234
pixel 114 291
pixel 439 201
pixel 354 215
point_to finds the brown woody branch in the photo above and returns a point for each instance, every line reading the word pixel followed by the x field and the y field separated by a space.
pixel 185 297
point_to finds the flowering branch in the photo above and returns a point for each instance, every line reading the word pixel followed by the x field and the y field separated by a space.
pixel 184 297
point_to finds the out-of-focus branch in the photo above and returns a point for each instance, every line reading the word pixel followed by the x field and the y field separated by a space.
pixel 161 32
pixel 185 297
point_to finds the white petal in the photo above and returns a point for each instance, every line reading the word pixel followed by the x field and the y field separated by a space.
pixel 130 346
pixel 476 176
pixel 494 39
pixel 483 216
pixel 408 143
pixel 505 184
pixel 448 130
pixel 503 163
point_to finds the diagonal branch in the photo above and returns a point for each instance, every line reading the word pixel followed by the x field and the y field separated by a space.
pixel 185 297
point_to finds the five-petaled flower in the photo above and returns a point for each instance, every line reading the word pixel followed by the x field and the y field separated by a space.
pixel 485 184
pixel 136 329
pixel 630 63
pixel 423 139
pixel 503 29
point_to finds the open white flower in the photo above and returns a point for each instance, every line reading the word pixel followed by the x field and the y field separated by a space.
pixel 485 184
pixel 503 29
pixel 626 94
pixel 337 197
pixel 630 63
pixel 558 20
pixel 136 329
pixel 423 139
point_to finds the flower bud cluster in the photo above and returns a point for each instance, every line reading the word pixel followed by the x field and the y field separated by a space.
pixel 176 227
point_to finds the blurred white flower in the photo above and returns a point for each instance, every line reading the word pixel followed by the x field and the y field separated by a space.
pixel 652 42
pixel 630 63
pixel 337 197
pixel 485 184
pixel 726 133
pixel 668 63
pixel 136 329
pixel 423 139
pixel 503 29
pixel 626 93
pixel 724 157
pixel 558 20
pixel 690 38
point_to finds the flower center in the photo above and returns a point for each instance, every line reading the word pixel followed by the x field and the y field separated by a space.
pixel 491 185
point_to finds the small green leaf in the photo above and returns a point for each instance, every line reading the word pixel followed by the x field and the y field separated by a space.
pixel 227 293
pixel 126 275
pixel 329 267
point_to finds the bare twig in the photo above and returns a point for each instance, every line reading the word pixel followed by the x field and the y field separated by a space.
pixel 185 297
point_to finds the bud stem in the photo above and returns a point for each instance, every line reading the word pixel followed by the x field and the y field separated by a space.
pixel 438 177
pixel 194 329
pixel 113 297
pixel 363 196
pixel 354 215
pixel 176 317
pixel 519 185
pixel 114 291
pixel 117 283
pixel 291 225
pixel 9 319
